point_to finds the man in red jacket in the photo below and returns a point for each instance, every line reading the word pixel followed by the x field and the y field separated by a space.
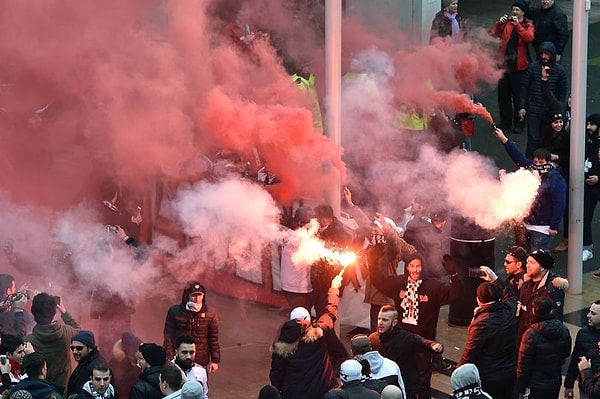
pixel 515 33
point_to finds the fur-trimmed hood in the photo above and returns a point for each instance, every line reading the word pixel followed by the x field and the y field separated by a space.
pixel 310 333
pixel 560 283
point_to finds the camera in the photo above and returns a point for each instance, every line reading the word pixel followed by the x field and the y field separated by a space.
pixel 476 272
pixel 3 359
pixel 56 299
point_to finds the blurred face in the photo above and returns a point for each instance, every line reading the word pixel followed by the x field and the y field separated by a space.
pixel 517 12
pixel 12 289
pixel 546 3
pixel 141 362
pixel 557 125
pixel 385 322
pixel 100 380
pixel 414 269
pixel 539 161
pixel 545 57
pixel 18 355
pixel 511 265
pixel 593 316
pixel 196 297
pixel 452 7
pixel 534 270
pixel 80 351
pixel 185 355
pixel 591 128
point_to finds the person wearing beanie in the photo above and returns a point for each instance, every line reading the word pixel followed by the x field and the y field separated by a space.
pixel 448 22
pixel 591 192
pixel 301 367
pixel 352 383
pixel 466 383
pixel 123 363
pixel 381 367
pixel 53 339
pixel 193 317
pixel 544 347
pixel 514 266
pixel 85 353
pixel 541 283
pixel 515 33
pixel 151 359
pixel 491 343
pixel 548 207
pixel 550 26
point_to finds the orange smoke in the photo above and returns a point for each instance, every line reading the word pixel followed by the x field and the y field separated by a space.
pixel 462 104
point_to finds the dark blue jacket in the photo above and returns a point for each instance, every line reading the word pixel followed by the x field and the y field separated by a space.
pixel 532 98
pixel 550 202
pixel 550 25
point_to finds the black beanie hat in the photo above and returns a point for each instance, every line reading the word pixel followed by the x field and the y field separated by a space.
pixel 293 329
pixel 488 292
pixel 543 257
pixel 520 4
pixel 86 337
pixel 594 118
pixel 154 354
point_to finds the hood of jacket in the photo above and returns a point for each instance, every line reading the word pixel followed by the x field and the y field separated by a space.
pixel 38 388
pixel 549 47
pixel 287 349
pixel 375 361
pixel 48 333
pixel 551 329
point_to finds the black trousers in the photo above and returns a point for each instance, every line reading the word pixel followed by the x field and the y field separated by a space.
pixel 509 87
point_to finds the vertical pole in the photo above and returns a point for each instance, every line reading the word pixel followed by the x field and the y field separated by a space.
pixel 333 90
pixel 577 151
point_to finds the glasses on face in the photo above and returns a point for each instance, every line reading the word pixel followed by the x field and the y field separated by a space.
pixel 508 262
pixel 77 348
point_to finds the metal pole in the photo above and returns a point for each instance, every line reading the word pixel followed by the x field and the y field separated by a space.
pixel 577 151
pixel 333 89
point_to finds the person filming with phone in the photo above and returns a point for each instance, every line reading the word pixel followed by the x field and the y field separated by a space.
pixel 491 344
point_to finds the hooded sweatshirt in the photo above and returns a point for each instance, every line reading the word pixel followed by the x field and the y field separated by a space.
pixel 382 367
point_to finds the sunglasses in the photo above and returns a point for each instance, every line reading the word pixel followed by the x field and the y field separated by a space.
pixel 77 348
pixel 507 262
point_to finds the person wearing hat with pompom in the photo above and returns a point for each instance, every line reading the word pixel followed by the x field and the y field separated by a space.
pixel 542 283
pixel 85 353
pixel 491 344
pixel 151 359
pixel 352 383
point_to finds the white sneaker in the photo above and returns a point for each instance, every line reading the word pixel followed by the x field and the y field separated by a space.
pixel 587 255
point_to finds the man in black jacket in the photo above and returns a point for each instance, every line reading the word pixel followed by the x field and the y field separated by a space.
pixel 151 359
pixel 550 24
pixel 401 346
pixel 99 385
pixel 586 344
pixel 85 353
pixel 491 344
pixel 34 365
pixel 300 362
pixel 545 345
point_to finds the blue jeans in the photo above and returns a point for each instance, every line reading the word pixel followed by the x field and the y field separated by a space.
pixel 538 240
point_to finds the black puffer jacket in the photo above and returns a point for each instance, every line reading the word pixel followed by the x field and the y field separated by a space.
pixel 544 347
pixel 203 326
pixel 300 363
pixel 550 25
pixel 586 344
pixel 147 387
pixel 532 98
pixel 491 344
